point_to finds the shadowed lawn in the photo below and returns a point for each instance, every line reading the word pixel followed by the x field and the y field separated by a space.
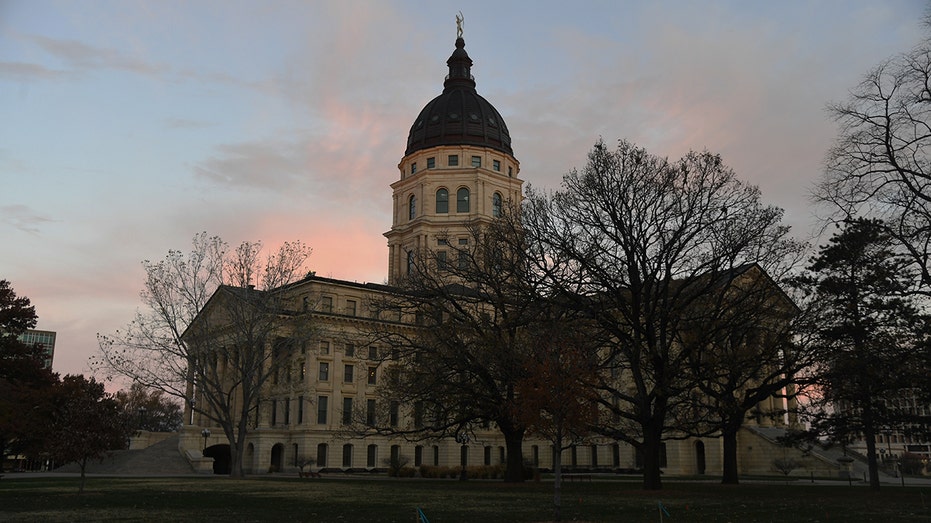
pixel 384 500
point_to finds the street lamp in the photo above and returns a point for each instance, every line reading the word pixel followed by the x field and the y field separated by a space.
pixel 142 411
pixel 206 434
pixel 462 438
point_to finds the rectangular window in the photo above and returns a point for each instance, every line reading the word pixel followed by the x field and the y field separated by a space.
pixel 321 454
pixel 372 456
pixel 287 411
pixel 413 167
pixel 418 414
pixel 370 413
pixel 300 410
pixel 453 160
pixel 274 412
pixel 441 261
pixel 349 373
pixel 463 260
pixel 303 370
pixel 347 455
pixel 324 371
pixel 373 374
pixel 350 307
pixel 487 456
pixel 496 164
pixel 393 414
pixel 324 347
pixel 442 242
pixel 418 455
pixel 476 161
pixel 350 350
pixel 326 304
pixel 510 172
pixel 373 353
pixel 321 410
pixel 431 163
pixel 347 411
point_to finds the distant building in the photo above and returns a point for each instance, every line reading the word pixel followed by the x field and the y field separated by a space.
pixel 44 338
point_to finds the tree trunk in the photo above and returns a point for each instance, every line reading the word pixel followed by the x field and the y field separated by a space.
pixel 729 474
pixel 514 440
pixel 650 451
pixel 557 480
pixel 83 464
pixel 869 434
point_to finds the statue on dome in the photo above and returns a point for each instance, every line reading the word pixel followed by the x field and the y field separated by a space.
pixel 459 20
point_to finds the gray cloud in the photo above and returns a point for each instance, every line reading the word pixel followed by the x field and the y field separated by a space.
pixel 82 56
pixel 21 71
pixel 23 218
pixel 184 123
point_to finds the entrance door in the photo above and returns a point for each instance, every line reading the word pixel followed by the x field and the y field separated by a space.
pixel 277 458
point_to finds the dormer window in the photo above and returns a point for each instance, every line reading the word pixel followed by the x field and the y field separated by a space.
pixel 413 167
pixel 431 163
pixel 476 161
pixel 453 160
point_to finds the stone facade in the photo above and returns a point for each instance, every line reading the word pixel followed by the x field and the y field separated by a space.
pixel 453 176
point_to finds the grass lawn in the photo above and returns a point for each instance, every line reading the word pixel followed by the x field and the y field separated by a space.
pixel 383 500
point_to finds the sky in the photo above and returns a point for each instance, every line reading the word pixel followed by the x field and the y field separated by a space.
pixel 128 126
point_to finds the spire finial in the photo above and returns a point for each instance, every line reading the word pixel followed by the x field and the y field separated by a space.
pixel 459 20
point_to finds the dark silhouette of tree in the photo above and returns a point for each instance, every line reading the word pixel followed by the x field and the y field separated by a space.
pixel 150 409
pixel 871 336
pixel 217 325
pixel 639 244
pixel 747 351
pixel 25 382
pixel 555 400
pixel 472 315
pixel 879 165
pixel 86 423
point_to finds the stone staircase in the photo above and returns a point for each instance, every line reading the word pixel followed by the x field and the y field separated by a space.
pixel 161 459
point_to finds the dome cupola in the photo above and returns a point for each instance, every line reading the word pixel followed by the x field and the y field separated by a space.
pixel 459 116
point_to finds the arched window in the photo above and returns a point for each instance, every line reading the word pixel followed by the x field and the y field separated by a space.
pixel 412 207
pixel 462 200
pixel 442 201
pixel 496 205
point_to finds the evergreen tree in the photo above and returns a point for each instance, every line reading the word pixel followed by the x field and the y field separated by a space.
pixel 871 336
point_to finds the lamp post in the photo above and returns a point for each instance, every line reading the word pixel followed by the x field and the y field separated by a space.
pixel 142 411
pixel 206 434
pixel 462 438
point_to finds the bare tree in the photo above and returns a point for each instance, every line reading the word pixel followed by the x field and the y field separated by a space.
pixel 746 358
pixel 879 165
pixel 474 312
pixel 640 245
pixel 215 327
